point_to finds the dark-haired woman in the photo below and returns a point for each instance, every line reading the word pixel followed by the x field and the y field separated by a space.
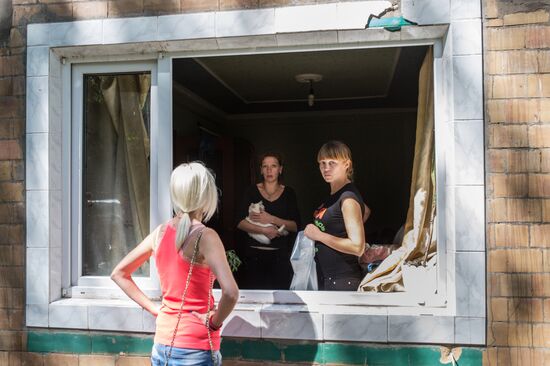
pixel 266 263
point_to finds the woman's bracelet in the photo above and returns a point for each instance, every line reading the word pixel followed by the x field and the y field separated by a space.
pixel 213 327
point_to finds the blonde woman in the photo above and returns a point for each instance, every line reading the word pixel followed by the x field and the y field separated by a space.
pixel 188 256
pixel 338 223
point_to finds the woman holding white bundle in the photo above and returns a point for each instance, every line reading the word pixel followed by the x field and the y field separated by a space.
pixel 265 251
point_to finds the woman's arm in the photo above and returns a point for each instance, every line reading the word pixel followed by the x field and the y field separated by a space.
pixel 269 231
pixel 367 213
pixel 355 242
pixel 267 218
pixel 211 247
pixel 122 273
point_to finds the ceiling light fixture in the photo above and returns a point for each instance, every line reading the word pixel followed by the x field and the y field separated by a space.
pixel 310 79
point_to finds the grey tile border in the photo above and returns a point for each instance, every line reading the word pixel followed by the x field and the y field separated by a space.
pixel 74 316
pixel 258 30
pixel 37 104
pixel 466 36
pixel 469 141
pixel 38 60
pixel 243 323
pixel 108 317
pixel 249 321
pixel 244 42
pixel 465 9
pixel 355 327
pixel 37 281
pixel 55 159
pixel 245 22
pixel 426 11
pixel 430 329
pixel 37 161
pixel 36 315
pixel 306 38
pixel 37 219
pixel 470 284
pixel 208 44
pixel 55 273
pixel 82 32
pixel 129 30
pixel 470 202
pixel 470 330
pixel 185 26
pixel 55 219
pixel 38 34
pixel 353 14
pixel 367 35
pixel 468 87
pixel 306 18
pixel 291 325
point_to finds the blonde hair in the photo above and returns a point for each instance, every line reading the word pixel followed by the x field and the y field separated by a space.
pixel 192 190
pixel 339 151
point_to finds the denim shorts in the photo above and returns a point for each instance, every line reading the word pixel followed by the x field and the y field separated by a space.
pixel 183 356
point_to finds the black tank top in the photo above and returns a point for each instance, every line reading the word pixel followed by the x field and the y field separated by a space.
pixel 329 219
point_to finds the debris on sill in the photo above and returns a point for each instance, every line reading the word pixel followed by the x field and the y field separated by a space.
pixel 392 24
pixel 450 355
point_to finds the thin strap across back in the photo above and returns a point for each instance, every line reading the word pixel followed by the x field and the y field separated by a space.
pixel 190 235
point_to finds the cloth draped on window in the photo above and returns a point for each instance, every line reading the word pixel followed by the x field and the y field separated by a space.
pixel 117 170
pixel 419 242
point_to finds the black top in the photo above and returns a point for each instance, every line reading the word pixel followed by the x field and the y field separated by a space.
pixel 284 207
pixel 329 219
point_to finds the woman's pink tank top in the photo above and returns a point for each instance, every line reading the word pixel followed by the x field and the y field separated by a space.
pixel 173 271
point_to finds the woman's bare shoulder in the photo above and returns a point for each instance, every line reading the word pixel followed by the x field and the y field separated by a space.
pixel 210 235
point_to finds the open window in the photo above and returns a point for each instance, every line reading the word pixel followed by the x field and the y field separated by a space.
pixel 229 109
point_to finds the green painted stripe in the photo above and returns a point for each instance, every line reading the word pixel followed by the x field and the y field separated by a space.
pixel 260 350
pixel 344 353
pixel 58 342
pixel 252 350
pixel 471 356
pixel 122 343
pixel 386 356
pixel 307 352
pixel 423 356
pixel 230 348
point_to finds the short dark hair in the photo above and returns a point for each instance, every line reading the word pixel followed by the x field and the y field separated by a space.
pixel 271 154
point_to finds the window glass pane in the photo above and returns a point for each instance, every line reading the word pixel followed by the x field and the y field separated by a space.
pixel 116 169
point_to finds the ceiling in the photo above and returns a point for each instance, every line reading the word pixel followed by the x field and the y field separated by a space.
pixel 265 83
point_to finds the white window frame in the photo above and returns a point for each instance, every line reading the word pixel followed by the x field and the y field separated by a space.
pixel 53 48
pixel 80 284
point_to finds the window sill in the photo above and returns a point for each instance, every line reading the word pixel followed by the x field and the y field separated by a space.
pixel 381 324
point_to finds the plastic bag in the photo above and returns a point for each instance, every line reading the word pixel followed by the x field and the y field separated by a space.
pixel 303 264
